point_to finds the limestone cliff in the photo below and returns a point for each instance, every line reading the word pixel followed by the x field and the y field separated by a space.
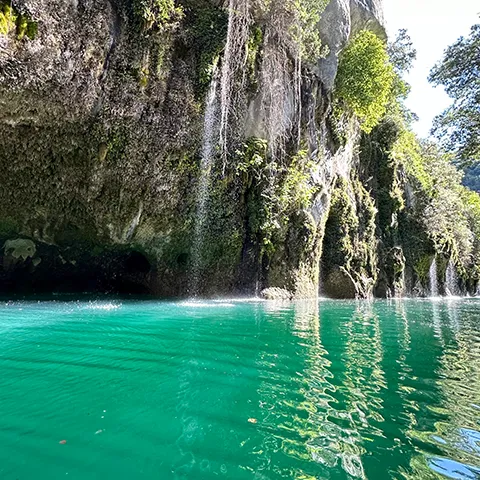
pixel 102 113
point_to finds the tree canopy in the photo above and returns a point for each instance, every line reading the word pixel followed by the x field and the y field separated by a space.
pixel 458 127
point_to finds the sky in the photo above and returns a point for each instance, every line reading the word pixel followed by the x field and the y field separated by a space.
pixel 433 25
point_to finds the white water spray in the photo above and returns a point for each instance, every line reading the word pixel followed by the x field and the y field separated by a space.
pixel 433 277
pixel 451 280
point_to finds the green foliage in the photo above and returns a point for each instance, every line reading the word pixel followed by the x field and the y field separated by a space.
pixel 12 21
pixel 365 78
pixel 206 31
pixel 297 26
pixel 472 177
pixel 254 44
pixel 422 268
pixel 257 175
pixel 305 31
pixel 401 52
pixel 407 151
pixel 32 29
pixel 458 127
pixel 275 192
pixel 157 14
pixel 350 241
pixel 8 19
pixel 296 192
pixel 143 76
pixel 448 211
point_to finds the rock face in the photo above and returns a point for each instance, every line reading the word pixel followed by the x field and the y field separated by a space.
pixel 341 20
pixel 101 128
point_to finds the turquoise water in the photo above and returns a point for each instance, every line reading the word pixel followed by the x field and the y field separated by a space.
pixel 240 390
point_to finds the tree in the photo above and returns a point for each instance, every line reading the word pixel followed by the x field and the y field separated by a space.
pixel 365 78
pixel 402 52
pixel 458 127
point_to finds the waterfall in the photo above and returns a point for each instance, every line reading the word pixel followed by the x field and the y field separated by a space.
pixel 433 278
pixel 219 106
pixel 451 280
pixel 210 138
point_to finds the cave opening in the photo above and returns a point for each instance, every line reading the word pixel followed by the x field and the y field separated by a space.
pixel 49 271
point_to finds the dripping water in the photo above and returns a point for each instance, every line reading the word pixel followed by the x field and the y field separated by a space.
pixel 451 280
pixel 210 137
pixel 433 278
pixel 234 58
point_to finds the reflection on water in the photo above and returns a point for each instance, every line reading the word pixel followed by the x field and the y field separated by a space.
pixel 240 390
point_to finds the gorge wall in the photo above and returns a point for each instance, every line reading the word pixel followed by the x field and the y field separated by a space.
pixel 103 152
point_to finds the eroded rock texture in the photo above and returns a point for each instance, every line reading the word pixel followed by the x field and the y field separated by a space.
pixel 101 127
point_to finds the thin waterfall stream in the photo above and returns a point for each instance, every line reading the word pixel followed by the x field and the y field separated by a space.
pixel 216 126
pixel 210 139
pixel 451 280
pixel 433 277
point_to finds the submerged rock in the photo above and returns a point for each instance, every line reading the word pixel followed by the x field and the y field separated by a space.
pixel 338 284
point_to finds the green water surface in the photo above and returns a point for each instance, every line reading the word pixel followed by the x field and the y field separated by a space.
pixel 239 390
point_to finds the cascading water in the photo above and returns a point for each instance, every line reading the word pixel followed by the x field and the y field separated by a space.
pixel 433 278
pixel 451 280
pixel 216 124
pixel 210 138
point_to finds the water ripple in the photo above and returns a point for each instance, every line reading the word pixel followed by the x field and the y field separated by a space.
pixel 240 389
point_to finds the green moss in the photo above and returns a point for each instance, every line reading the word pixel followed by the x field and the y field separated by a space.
pixel 255 41
pixel 157 14
pixel 253 168
pixel 350 241
pixel 296 191
pixel 11 21
pixel 22 26
pixel 143 76
pixel 206 32
pixel 8 226
pixel 32 30
pixel 422 268
pixel 8 18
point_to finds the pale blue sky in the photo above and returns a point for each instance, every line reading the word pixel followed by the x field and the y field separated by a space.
pixel 433 26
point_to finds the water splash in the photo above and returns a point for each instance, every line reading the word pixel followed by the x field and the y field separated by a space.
pixel 451 280
pixel 210 138
pixel 433 278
